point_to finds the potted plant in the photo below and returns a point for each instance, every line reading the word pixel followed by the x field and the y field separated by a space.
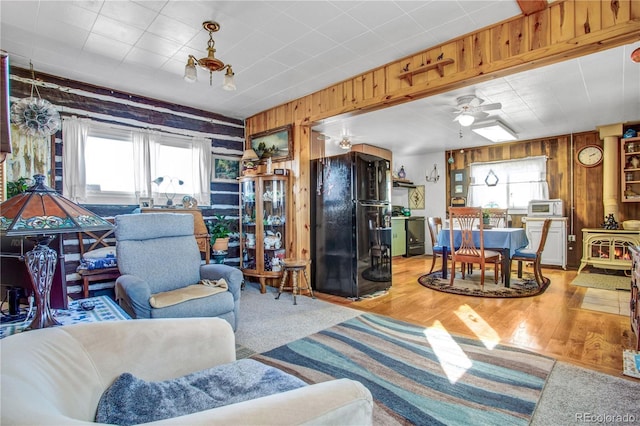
pixel 17 187
pixel 485 217
pixel 219 231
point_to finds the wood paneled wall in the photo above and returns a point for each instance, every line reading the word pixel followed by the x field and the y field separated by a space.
pixel 564 30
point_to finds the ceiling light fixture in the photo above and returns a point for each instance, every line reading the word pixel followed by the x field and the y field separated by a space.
pixel 466 120
pixel 495 131
pixel 210 63
pixel 345 143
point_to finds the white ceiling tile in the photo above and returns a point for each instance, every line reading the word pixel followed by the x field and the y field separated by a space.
pixel 375 14
pixel 117 30
pixel 110 48
pixel 92 5
pixel 283 28
pixel 153 5
pixel 68 13
pixel 64 33
pixel 314 43
pixel 172 29
pixel 289 56
pixel 434 14
pixel 159 45
pixel 129 12
pixel 342 28
pixel 312 13
pixel 145 57
pixel 194 15
pixel 19 13
pixel 400 28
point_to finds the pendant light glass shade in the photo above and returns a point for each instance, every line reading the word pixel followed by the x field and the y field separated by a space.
pixel 229 82
pixel 190 72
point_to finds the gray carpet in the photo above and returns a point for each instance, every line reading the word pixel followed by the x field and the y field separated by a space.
pixel 575 396
pixel 266 323
pixel 571 396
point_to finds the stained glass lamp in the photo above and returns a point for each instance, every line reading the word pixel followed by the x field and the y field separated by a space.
pixel 39 214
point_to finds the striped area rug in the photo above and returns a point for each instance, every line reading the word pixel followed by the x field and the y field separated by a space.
pixel 420 376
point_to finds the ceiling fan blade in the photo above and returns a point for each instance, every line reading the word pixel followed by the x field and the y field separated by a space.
pixel 488 107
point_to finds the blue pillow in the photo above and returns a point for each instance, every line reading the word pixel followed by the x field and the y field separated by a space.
pixel 131 401
pixel 101 263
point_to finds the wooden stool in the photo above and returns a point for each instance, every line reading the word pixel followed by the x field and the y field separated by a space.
pixel 293 266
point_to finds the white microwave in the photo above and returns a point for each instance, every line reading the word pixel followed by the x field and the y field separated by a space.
pixel 544 208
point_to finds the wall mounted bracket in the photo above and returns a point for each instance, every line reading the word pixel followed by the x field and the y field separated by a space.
pixel 439 66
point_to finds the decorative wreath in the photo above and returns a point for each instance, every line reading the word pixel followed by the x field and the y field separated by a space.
pixel 35 117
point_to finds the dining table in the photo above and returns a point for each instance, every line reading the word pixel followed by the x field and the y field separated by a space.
pixel 505 240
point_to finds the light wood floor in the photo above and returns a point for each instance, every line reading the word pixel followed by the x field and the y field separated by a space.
pixel 551 324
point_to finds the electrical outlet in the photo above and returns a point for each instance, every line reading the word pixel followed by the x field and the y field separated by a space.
pixel 572 238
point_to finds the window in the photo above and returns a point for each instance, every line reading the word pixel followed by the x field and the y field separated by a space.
pixel 508 184
pixel 119 165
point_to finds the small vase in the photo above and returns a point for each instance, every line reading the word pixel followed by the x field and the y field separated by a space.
pixel 401 173
pixel 635 161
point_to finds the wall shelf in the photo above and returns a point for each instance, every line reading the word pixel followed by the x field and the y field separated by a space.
pixel 438 65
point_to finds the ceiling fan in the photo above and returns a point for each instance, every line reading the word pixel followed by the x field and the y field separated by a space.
pixel 471 108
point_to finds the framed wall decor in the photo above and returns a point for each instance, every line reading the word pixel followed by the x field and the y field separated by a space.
pixel 276 144
pixel 225 169
pixel 458 180
pixel 145 202
pixel 31 155
pixel 416 197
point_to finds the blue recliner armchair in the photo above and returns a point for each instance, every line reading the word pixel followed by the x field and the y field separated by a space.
pixel 157 252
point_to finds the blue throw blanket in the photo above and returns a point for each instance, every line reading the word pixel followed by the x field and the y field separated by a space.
pixel 130 401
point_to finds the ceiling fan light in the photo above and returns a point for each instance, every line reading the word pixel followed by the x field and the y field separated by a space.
pixel 466 120
pixel 495 131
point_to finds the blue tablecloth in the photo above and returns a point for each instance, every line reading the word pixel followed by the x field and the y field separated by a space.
pixel 510 239
pixel 506 240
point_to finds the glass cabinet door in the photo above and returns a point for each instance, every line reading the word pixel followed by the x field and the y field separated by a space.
pixel 274 219
pixel 248 224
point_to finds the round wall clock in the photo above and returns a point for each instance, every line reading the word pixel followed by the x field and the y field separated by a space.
pixel 589 155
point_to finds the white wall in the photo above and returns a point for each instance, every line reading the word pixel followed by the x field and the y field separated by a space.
pixel 417 169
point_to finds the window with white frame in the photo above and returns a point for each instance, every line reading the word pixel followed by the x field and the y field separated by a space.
pixel 118 165
pixel 508 184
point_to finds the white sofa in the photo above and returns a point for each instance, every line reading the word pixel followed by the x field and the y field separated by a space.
pixel 56 376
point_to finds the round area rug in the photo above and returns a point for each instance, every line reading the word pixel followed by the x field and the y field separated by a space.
pixel 470 286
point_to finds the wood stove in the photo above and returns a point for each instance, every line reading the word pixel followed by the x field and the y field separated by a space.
pixel 608 249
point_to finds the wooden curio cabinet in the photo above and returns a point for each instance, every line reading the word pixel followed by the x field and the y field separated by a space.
pixel 263 226
pixel 630 179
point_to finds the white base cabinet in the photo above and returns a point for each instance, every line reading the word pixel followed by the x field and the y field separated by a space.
pixel 555 250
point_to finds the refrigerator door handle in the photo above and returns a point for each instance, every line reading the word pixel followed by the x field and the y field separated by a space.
pixel 371 204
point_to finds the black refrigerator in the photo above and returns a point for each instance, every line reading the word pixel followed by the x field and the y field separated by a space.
pixel 351 224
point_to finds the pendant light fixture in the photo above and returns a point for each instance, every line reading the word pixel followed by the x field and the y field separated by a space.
pixel 210 62
pixel 35 116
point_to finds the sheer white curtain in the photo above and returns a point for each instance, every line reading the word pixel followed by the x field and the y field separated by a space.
pixel 143 142
pixel 201 171
pixel 516 183
pixel 74 179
